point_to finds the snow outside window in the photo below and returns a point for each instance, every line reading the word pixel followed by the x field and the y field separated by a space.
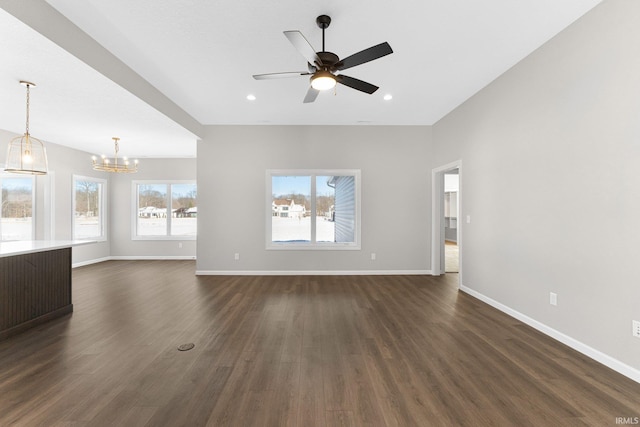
pixel 317 209
pixel 16 217
pixel 165 210
pixel 89 208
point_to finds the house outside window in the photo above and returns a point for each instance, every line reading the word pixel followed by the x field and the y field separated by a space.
pixel 18 202
pixel 313 209
pixel 164 210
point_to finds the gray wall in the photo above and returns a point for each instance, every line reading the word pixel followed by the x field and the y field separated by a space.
pixel 396 191
pixel 551 152
pixel 120 199
pixel 63 164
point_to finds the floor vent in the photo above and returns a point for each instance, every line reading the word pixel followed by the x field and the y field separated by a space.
pixel 186 347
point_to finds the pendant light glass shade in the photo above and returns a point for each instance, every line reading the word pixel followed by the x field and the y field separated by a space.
pixel 26 154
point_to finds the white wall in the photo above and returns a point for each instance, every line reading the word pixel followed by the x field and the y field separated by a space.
pixel 551 155
pixel 120 198
pixel 63 164
pixel 395 163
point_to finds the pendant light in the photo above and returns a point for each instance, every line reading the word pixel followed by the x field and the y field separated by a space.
pixel 111 165
pixel 26 154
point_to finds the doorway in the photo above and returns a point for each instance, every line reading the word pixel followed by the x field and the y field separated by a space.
pixel 446 242
pixel 451 214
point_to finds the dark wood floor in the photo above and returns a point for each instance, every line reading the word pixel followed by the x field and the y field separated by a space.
pixel 294 351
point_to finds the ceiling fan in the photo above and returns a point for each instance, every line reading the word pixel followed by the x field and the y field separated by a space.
pixel 324 67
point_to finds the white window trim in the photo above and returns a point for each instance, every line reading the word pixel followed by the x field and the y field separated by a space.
pixel 103 207
pixel 134 211
pixel 313 245
pixel 6 175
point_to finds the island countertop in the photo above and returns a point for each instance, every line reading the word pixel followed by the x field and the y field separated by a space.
pixel 31 246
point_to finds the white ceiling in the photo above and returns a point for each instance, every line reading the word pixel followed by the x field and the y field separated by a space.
pixel 202 54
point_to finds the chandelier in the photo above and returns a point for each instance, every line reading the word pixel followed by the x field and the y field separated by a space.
pixel 109 165
pixel 26 154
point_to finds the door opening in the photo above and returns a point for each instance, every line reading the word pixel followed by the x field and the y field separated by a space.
pixel 446 230
pixel 451 214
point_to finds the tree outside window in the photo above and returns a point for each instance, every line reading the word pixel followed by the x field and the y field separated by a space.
pixel 313 209
pixel 16 217
pixel 88 202
pixel 165 210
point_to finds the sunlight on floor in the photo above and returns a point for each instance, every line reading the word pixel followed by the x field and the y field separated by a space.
pixel 451 257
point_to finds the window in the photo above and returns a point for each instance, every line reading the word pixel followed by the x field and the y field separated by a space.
pixel 16 220
pixel 313 209
pixel 165 210
pixel 89 208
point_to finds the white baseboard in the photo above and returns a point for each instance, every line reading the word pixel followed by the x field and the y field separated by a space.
pixel 89 262
pixel 132 258
pixel 598 356
pixel 311 273
pixel 151 257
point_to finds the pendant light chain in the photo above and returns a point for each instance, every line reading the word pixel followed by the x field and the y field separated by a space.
pixel 28 86
pixel 115 159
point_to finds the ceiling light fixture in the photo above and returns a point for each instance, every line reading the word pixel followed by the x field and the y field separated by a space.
pixel 323 80
pixel 107 165
pixel 251 97
pixel 388 97
pixel 26 154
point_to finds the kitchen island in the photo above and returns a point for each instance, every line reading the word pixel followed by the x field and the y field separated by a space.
pixel 35 283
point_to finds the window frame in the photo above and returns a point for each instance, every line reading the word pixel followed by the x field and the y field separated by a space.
pixel 103 211
pixel 7 175
pixel 313 244
pixel 135 199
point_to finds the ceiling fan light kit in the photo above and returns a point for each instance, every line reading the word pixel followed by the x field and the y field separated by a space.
pixel 324 67
pixel 323 80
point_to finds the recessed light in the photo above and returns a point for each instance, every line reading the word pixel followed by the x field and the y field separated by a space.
pixel 388 97
pixel 251 97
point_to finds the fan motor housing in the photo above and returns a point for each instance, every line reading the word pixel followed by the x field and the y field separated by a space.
pixel 329 59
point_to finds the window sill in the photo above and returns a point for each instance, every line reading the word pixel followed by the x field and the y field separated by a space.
pixel 313 247
pixel 167 238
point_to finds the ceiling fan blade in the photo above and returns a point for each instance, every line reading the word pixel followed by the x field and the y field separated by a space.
pixel 311 95
pixel 363 56
pixel 280 75
pixel 356 84
pixel 303 46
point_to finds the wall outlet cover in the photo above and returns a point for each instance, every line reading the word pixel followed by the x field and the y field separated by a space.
pixel 636 328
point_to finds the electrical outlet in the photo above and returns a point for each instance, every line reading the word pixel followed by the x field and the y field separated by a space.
pixel 180 245
pixel 553 298
pixel 236 257
pixel 636 328
pixel 373 256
